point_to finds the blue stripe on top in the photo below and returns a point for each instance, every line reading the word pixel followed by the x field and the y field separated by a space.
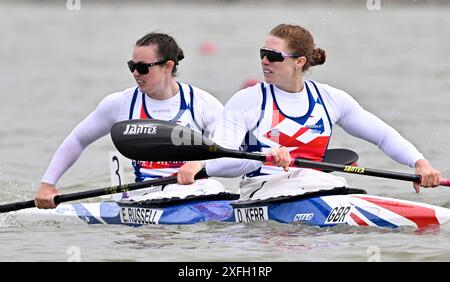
pixel 322 103
pixel 301 119
pixel 133 102
pixel 183 104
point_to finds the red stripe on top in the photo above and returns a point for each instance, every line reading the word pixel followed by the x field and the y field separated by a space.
pixel 422 216
pixel 314 150
pixel 158 165
pixel 300 132
pixel 142 113
pixel 277 117
pixel 286 140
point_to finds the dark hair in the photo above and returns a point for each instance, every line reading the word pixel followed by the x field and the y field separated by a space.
pixel 300 42
pixel 167 47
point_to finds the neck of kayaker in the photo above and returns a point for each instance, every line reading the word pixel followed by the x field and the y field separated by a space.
pixel 168 89
pixel 293 85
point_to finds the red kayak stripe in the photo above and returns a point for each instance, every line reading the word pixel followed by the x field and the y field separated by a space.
pixel 422 216
pixel 358 220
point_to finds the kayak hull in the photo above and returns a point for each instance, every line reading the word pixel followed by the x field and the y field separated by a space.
pixel 355 210
pixel 323 211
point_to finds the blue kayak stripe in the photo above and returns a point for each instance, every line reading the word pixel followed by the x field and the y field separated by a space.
pixel 376 219
pixel 321 205
pixel 324 210
pixel 85 215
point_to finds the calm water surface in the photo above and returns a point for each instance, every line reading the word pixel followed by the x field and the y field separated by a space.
pixel 56 65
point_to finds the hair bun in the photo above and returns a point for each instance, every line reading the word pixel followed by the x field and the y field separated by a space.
pixel 180 55
pixel 318 57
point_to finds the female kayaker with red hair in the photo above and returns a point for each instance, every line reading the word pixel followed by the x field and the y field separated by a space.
pixel 291 117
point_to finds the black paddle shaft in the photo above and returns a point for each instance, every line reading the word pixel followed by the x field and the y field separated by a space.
pixel 357 170
pixel 99 192
pixel 157 140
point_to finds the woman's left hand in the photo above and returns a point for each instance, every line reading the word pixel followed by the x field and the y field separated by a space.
pixel 429 176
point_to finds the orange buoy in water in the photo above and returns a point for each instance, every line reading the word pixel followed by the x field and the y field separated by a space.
pixel 208 48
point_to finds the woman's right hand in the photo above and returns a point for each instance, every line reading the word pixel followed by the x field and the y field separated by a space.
pixel 429 176
pixel 45 195
pixel 187 172
pixel 281 157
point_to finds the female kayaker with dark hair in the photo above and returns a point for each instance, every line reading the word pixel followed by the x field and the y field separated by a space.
pixel 157 95
pixel 293 118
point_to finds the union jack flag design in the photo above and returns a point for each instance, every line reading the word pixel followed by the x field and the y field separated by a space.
pixel 185 116
pixel 304 136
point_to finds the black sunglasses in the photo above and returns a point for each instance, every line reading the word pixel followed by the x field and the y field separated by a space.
pixel 274 55
pixel 142 68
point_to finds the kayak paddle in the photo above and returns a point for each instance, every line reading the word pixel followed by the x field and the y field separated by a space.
pixel 158 140
pixel 99 192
